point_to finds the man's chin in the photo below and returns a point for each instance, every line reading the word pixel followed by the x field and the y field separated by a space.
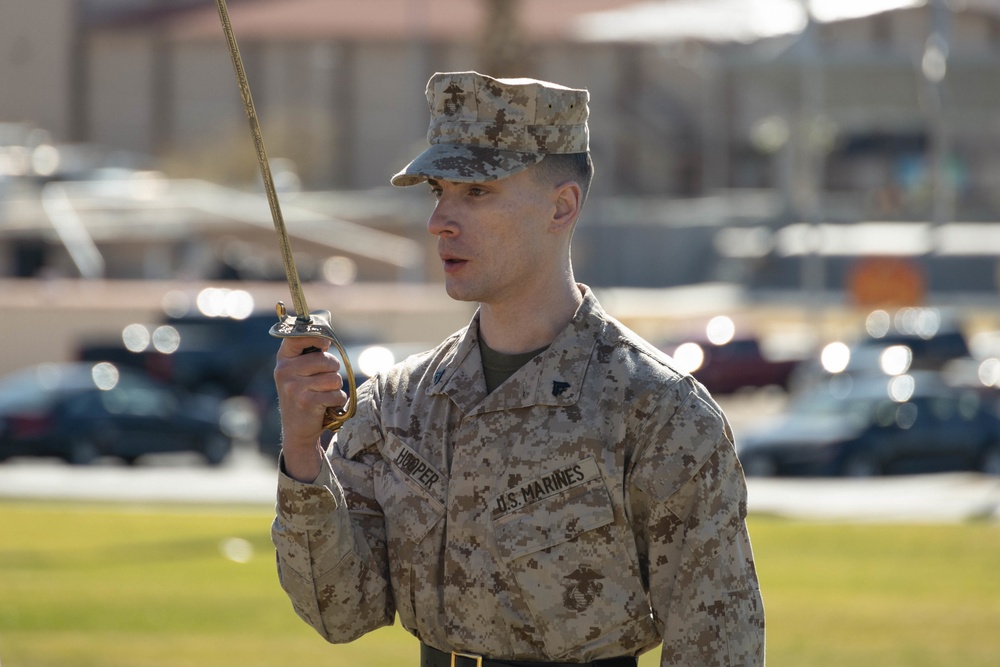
pixel 461 297
pixel 457 293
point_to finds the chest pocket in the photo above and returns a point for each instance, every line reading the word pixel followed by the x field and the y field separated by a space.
pixel 566 553
pixel 411 492
pixel 551 509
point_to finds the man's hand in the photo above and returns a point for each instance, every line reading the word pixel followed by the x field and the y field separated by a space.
pixel 307 385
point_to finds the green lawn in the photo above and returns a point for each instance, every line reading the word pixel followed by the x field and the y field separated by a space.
pixel 108 586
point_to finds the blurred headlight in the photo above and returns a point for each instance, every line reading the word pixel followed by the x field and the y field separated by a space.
pixel 989 372
pixel 136 337
pixel 895 359
pixel 689 357
pixel 45 160
pixel 835 357
pixel 877 323
pixel 720 330
pixel 105 375
pixel 238 419
pixel 374 359
pixel 166 339
pixel 223 302
pixel 901 388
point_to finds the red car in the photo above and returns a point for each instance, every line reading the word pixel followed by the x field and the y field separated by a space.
pixel 728 367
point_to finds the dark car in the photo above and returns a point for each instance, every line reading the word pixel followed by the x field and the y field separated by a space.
pixel 82 411
pixel 216 355
pixel 931 349
pixel 873 425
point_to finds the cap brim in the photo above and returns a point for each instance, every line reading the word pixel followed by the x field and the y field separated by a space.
pixel 464 164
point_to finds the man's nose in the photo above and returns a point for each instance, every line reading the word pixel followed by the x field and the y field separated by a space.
pixel 441 221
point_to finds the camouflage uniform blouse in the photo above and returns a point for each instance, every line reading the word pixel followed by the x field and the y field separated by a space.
pixel 591 507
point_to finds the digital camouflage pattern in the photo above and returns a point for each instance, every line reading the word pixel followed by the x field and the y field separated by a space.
pixel 591 507
pixel 484 129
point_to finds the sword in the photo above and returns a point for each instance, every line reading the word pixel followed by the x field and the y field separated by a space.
pixel 303 323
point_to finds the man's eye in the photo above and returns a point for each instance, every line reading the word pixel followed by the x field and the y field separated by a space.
pixel 477 192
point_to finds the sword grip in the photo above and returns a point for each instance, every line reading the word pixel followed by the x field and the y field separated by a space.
pixel 318 325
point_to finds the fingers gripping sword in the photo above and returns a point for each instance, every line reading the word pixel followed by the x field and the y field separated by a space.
pixel 303 323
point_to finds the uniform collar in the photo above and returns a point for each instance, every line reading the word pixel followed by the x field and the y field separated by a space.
pixel 555 377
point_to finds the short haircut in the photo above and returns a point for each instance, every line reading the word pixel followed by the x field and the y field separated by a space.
pixel 561 167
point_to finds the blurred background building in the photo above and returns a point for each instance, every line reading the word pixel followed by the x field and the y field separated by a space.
pixel 820 155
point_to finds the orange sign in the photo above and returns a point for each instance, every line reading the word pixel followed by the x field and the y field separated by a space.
pixel 886 281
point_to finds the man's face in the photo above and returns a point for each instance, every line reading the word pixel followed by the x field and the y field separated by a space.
pixel 493 237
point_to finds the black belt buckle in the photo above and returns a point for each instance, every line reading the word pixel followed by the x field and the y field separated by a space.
pixel 477 660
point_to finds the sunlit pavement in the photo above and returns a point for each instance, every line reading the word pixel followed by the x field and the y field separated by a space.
pixel 245 478
pixel 920 498
pixel 249 479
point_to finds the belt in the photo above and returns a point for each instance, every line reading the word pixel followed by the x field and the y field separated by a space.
pixel 432 657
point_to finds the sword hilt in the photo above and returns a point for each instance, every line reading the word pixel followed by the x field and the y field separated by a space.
pixel 317 325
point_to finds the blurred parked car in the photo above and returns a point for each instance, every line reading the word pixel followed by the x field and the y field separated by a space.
pixel 982 368
pixel 82 411
pixel 213 355
pixel 916 338
pixel 726 362
pixel 873 425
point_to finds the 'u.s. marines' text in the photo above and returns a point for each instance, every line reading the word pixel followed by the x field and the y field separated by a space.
pixel 541 487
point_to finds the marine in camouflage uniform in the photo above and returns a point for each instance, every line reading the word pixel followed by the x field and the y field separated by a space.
pixel 589 508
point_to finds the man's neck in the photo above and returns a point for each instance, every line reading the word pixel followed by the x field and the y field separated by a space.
pixel 514 328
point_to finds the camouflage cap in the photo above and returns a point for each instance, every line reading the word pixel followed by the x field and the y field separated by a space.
pixel 485 129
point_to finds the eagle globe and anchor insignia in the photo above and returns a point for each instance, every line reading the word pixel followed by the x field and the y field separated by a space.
pixel 584 587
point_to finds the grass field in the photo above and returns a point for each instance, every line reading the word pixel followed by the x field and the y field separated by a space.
pixel 108 586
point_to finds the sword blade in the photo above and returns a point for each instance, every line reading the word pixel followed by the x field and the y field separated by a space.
pixel 304 324
pixel 291 272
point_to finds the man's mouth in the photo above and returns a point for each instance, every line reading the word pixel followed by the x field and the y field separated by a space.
pixel 452 263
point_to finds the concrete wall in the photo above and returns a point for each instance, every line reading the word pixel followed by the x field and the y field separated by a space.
pixel 120 109
pixel 36 47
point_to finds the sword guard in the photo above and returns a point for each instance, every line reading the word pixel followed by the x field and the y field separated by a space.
pixel 318 325
pixel 291 326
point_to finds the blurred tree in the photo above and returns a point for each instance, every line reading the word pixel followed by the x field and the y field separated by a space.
pixel 503 53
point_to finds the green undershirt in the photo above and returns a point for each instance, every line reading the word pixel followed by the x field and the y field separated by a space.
pixel 498 366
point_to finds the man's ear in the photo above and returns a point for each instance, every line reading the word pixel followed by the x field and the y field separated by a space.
pixel 568 202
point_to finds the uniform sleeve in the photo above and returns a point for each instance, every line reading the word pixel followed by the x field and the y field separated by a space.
pixel 329 537
pixel 689 502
